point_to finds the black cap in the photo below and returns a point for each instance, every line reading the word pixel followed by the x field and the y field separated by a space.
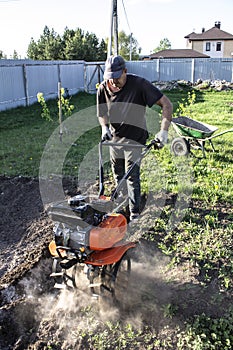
pixel 114 67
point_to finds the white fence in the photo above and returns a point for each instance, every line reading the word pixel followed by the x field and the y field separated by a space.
pixel 188 69
pixel 21 80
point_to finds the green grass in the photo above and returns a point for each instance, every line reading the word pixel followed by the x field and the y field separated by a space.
pixel 200 232
pixel 204 235
pixel 24 134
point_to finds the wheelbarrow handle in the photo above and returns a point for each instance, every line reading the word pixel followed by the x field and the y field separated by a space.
pixel 219 134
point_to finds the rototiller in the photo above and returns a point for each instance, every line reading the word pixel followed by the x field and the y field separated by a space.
pixel 90 237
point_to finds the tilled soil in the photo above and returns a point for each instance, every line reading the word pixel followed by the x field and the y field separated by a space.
pixel 25 231
pixel 35 316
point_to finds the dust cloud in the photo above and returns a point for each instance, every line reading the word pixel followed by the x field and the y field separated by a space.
pixel 64 315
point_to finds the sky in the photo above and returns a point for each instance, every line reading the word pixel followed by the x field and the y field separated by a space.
pixel 149 21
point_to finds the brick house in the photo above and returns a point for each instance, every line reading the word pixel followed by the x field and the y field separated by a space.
pixel 213 42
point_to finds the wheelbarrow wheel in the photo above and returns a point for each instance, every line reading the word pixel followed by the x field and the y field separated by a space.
pixel 180 146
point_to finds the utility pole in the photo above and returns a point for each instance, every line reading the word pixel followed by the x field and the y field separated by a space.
pixel 130 47
pixel 113 30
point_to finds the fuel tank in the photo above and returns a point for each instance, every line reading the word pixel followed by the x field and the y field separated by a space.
pixel 110 231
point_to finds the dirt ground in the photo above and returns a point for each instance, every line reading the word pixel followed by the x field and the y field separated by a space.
pixel 35 316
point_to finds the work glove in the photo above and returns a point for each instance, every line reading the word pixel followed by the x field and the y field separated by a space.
pixel 106 133
pixel 162 136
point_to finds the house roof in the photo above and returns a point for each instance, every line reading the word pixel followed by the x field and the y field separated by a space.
pixel 178 53
pixel 212 34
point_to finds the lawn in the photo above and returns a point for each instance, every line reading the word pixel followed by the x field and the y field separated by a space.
pixel 192 229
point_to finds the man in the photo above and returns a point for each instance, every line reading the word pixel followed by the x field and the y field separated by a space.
pixel 121 105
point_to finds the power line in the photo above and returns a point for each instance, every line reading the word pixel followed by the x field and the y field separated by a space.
pixel 126 16
pixel 131 34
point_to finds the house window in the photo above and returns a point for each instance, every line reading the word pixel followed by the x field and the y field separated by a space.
pixel 207 46
pixel 218 46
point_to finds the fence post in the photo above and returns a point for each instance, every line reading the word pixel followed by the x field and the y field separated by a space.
pixel 232 71
pixel 193 70
pixel 158 68
pixel 59 72
pixel 25 84
pixel 60 110
pixel 98 74
pixel 85 76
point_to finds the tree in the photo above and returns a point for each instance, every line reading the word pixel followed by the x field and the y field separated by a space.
pixel 72 45
pixel 124 42
pixel 102 50
pixel 90 45
pixel 2 55
pixel 164 44
pixel 15 55
pixel 48 47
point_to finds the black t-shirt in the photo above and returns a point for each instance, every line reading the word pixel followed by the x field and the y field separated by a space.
pixel 126 108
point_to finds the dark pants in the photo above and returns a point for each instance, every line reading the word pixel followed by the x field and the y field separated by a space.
pixel 121 161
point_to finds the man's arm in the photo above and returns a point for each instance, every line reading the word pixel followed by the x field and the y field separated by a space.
pixel 103 121
pixel 106 133
pixel 102 115
pixel 167 109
